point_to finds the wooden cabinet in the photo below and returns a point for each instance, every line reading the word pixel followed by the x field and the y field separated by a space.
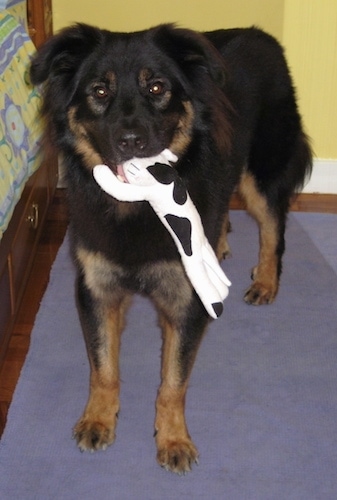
pixel 23 246
pixel 6 305
pixel 19 242
pixel 40 20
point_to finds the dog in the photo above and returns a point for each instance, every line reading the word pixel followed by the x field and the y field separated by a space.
pixel 224 103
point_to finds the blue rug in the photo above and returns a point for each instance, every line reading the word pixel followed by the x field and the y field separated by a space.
pixel 262 403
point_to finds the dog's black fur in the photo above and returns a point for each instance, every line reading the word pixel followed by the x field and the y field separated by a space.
pixel 224 103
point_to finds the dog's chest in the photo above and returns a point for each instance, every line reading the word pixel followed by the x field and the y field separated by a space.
pixel 166 281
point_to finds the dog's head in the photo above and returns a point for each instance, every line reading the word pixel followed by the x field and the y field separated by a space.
pixel 112 96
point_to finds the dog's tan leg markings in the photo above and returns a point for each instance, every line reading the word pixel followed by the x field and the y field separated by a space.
pixel 223 248
pixel 176 451
pixel 96 428
pixel 265 274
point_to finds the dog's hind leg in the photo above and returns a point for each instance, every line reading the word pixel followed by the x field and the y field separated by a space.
pixel 223 249
pixel 271 234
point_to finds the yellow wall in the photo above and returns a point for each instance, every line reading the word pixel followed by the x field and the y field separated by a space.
pixel 130 15
pixel 307 29
pixel 310 38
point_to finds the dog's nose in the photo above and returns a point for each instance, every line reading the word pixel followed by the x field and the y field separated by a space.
pixel 132 141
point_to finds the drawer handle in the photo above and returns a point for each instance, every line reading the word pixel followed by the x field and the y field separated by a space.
pixel 33 217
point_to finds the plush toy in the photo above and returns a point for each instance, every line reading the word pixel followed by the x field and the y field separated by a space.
pixel 156 181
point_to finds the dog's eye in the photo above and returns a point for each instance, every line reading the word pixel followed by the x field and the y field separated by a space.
pixel 101 92
pixel 156 88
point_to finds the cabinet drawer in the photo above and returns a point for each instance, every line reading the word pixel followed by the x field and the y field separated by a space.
pixel 5 307
pixel 29 229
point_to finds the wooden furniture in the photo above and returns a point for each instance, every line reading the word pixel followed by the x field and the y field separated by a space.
pixel 19 242
pixel 40 20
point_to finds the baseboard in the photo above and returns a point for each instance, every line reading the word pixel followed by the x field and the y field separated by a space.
pixel 324 177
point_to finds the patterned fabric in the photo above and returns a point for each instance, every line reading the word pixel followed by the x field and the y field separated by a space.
pixel 20 126
pixel 17 8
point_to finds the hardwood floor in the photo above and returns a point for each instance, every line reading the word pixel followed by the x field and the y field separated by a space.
pixel 51 239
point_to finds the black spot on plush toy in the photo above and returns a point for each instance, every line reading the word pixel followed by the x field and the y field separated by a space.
pixel 154 180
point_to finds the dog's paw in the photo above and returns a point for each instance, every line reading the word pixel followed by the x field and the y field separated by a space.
pixel 260 294
pixel 93 436
pixel 177 456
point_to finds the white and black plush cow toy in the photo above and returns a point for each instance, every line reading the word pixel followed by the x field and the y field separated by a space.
pixel 154 180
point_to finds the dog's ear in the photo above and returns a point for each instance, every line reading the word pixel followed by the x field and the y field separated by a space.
pixel 205 77
pixel 191 50
pixel 62 54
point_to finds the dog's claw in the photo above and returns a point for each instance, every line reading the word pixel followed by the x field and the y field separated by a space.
pixel 178 457
pixel 259 294
pixel 93 436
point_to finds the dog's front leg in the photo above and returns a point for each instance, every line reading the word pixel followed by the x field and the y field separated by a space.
pixel 102 321
pixel 176 451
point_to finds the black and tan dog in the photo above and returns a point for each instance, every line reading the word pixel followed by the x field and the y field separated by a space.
pixel 224 103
